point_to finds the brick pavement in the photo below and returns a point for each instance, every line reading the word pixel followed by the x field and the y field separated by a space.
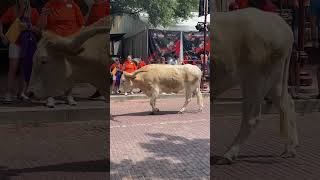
pixel 259 157
pixel 54 151
pixel 164 146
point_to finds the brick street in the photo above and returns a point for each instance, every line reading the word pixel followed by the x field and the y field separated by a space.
pixel 54 151
pixel 259 157
pixel 165 146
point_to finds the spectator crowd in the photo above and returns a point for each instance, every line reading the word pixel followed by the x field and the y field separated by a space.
pixel 131 64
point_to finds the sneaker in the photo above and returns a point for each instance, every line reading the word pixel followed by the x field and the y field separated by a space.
pixel 8 98
pixel 24 98
pixel 50 102
pixel 126 94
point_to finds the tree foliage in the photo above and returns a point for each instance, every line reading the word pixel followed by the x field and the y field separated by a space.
pixel 161 12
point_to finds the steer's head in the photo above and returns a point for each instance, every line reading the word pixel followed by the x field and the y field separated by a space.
pixel 51 71
pixel 126 82
pixel 132 80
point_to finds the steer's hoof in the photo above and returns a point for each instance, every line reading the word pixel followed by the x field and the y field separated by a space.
pixel 152 113
pixel 219 160
pixel 50 106
pixel 288 154
pixel 72 103
pixel 156 110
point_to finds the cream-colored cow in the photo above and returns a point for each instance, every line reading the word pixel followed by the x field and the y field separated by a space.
pixel 252 48
pixel 60 62
pixel 156 78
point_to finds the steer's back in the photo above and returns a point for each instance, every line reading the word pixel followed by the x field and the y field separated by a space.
pixel 169 78
pixel 249 37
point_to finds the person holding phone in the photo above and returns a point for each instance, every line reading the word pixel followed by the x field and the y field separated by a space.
pixel 19 54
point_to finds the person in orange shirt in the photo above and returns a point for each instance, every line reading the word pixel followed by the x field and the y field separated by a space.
pixel 116 75
pixel 141 63
pixel 64 18
pixel 98 10
pixel 29 17
pixel 129 66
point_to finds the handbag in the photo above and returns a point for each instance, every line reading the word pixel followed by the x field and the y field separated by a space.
pixel 14 31
pixel 114 71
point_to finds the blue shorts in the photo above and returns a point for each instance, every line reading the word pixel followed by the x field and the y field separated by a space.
pixel 118 78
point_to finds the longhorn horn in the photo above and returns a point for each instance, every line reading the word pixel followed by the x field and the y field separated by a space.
pixel 74 45
pixel 134 74
pixel 78 40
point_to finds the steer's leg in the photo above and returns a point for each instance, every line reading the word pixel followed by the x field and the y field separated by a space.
pixel 187 101
pixel 153 99
pixel 288 126
pixel 250 119
pixel 199 99
pixel 251 112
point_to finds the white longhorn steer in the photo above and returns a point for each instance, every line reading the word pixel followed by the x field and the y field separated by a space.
pixel 156 78
pixel 61 62
pixel 252 48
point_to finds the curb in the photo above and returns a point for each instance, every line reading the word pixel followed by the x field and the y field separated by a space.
pixel 234 108
pixel 98 111
pixel 142 96
pixel 62 113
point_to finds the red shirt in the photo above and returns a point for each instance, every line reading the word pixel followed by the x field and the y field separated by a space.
pixel 98 11
pixel 242 3
pixel 269 6
pixel 114 65
pixel 129 66
pixel 66 18
pixel 141 64
pixel 10 16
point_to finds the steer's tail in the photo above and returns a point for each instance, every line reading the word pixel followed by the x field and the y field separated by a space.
pixel 199 96
pixel 286 103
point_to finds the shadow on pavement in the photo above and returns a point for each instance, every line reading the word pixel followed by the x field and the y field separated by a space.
pixel 173 157
pixel 87 166
pixel 147 113
pixel 160 113
pixel 255 159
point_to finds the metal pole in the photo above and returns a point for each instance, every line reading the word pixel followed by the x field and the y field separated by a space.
pixel 301 25
pixel 301 31
pixel 204 39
